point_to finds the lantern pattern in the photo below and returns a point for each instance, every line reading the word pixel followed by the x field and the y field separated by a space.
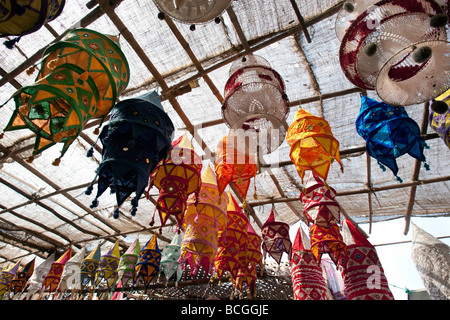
pixel 440 121
pixel 148 263
pixel 18 18
pixel 360 266
pixel 6 277
pixel 170 265
pixel 89 267
pixel 204 217
pixel 19 283
pixel 233 165
pixel 394 47
pixel 70 277
pixel 176 177
pixel 233 242
pixel 53 277
pixel 313 146
pixel 275 238
pixel 107 268
pixel 255 102
pixel 126 271
pixel 308 282
pixel 80 79
pixel 136 138
pixel 37 278
pixel 322 212
pixel 389 133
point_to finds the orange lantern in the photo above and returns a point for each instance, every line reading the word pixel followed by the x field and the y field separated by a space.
pixel 53 278
pixel 313 146
pixel 176 177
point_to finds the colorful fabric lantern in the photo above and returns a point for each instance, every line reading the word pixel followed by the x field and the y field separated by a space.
pixel 333 279
pixel 170 265
pixel 70 277
pixel 148 263
pixel 37 278
pixel 431 257
pixel 6 277
pixel 136 138
pixel 53 277
pixel 233 165
pixel 308 281
pixel 322 213
pixel 18 17
pixel 389 133
pixel 107 268
pixel 439 119
pixel 80 78
pixel 89 267
pixel 126 271
pixel 313 146
pixel 204 217
pixel 361 268
pixel 275 236
pixel 176 177
pixel 233 242
pixel 20 280
pixel 255 102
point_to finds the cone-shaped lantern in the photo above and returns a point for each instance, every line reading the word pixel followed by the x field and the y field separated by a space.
pixel 307 278
pixel 18 17
pixel 275 236
pixel 313 146
pixel 233 241
pixel 322 213
pixel 176 177
pixel 6 277
pixel 37 278
pixel 126 271
pixel 361 269
pixel 53 277
pixel 136 138
pixel 439 119
pixel 20 280
pixel 80 78
pixel 107 268
pixel 204 217
pixel 70 278
pixel 389 133
pixel 148 263
pixel 233 165
pixel 89 267
pixel 170 265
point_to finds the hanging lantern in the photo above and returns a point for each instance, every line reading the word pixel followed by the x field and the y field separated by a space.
pixel 192 11
pixel 233 242
pixel 361 269
pixel 6 277
pixel 37 278
pixel 126 271
pixel 256 103
pixel 389 133
pixel 19 282
pixel 148 263
pixel 313 146
pixel 395 47
pixel 18 18
pixel 439 119
pixel 322 212
pixel 136 138
pixel 107 268
pixel 333 278
pixel 176 177
pixel 170 265
pixel 53 277
pixel 275 236
pixel 205 216
pixel 80 79
pixel 308 282
pixel 70 277
pixel 233 165
pixel 89 267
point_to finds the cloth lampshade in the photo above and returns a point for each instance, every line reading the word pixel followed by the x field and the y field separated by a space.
pixel 204 217
pixel 136 138
pixel 126 271
pixel 108 264
pixel 53 277
pixel 389 133
pixel 6 277
pixel 313 146
pixel 89 267
pixel 37 278
pixel 361 269
pixel 440 121
pixel 70 277
pixel 176 177
pixel 148 263
pixel 171 253
pixel 308 282
pixel 20 280
pixel 80 78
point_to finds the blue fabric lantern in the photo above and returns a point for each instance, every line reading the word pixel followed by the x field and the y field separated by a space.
pixel 137 137
pixel 389 133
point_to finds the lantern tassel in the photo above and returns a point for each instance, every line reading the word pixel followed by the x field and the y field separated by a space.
pixel 10 43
